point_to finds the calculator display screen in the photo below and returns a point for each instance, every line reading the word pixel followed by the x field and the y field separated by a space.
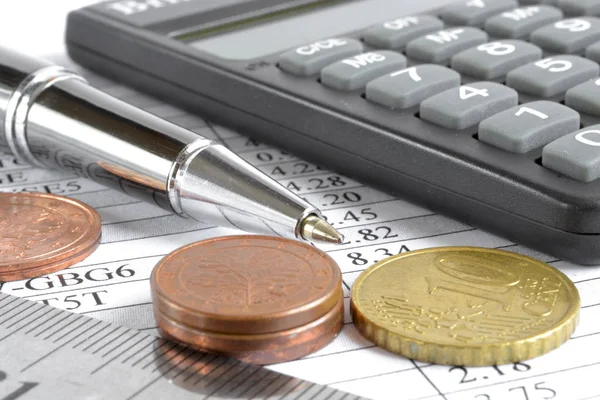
pixel 248 40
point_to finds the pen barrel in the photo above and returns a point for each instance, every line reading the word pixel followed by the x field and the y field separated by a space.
pixel 51 117
pixel 76 127
pixel 15 71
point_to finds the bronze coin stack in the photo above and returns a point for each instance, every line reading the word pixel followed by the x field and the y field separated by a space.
pixel 44 233
pixel 259 299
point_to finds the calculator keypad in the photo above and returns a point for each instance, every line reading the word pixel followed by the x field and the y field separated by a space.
pixel 354 72
pixel 438 47
pixel 511 85
pixel 530 126
pixel 493 60
pixel 409 87
pixel 519 23
pixel 312 58
pixel 475 12
pixel 395 34
pixel 569 36
pixel 467 105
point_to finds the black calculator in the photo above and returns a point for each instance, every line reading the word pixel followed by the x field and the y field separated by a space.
pixel 486 110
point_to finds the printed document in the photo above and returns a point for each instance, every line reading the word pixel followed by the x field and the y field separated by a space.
pixel 112 284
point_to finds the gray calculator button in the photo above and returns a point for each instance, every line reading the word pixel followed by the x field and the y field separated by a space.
pixel 474 12
pixel 409 87
pixel 570 36
pixel 585 98
pixel 438 47
pixel 467 105
pixel 494 60
pixel 355 72
pixel 552 76
pixel 395 34
pixel 518 23
pixel 309 59
pixel 576 155
pixel 529 126
pixel 580 7
pixel 593 52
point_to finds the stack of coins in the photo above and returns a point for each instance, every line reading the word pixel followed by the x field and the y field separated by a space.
pixel 44 233
pixel 260 299
pixel 465 306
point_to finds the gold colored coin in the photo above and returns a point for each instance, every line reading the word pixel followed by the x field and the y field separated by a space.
pixel 465 306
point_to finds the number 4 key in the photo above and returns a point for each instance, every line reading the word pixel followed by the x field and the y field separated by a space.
pixel 466 106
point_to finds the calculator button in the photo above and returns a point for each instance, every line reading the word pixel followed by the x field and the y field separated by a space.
pixel 585 98
pixel 395 34
pixel 440 46
pixel 552 77
pixel 529 126
pixel 494 60
pixel 467 105
pixel 580 7
pixel 354 73
pixel 570 36
pixel 593 52
pixel 474 12
pixel 576 155
pixel 409 87
pixel 518 23
pixel 309 59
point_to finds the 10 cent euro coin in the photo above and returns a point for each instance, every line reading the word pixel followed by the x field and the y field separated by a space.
pixel 465 306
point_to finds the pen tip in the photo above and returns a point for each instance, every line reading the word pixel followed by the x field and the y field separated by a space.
pixel 315 229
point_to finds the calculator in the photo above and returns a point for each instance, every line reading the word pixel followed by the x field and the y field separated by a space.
pixel 485 110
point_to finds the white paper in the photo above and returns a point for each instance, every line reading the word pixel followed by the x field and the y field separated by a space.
pixel 112 284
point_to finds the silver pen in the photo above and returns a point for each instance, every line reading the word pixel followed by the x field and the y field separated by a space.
pixel 52 118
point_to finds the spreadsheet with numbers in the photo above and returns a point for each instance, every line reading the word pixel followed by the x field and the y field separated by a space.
pixel 113 285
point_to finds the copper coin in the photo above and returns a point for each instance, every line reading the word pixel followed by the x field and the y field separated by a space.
pixel 246 284
pixel 266 348
pixel 44 233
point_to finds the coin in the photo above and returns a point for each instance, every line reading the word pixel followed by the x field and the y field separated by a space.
pixel 266 348
pixel 465 306
pixel 44 233
pixel 246 284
